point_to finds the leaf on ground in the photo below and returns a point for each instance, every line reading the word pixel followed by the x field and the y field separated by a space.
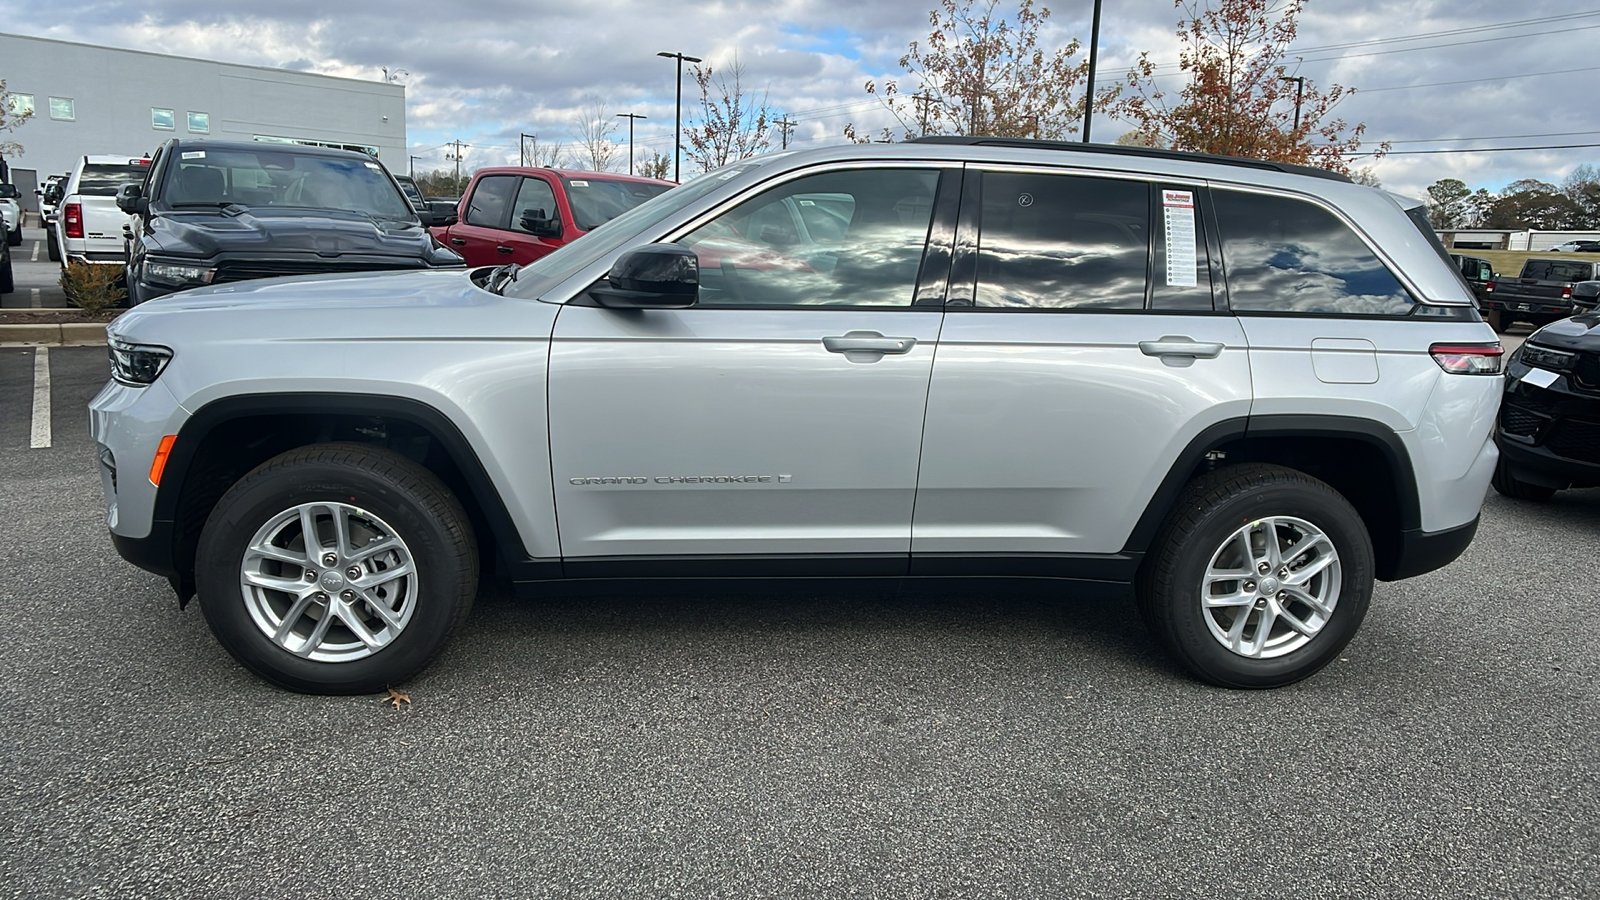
pixel 396 698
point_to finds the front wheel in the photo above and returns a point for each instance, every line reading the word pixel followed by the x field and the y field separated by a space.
pixel 336 569
pixel 1259 578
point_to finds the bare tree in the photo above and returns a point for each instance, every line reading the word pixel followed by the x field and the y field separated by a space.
pixel 593 129
pixel 657 165
pixel 730 125
pixel 10 117
pixel 979 72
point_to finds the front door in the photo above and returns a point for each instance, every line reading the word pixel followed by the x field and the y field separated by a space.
pixel 782 416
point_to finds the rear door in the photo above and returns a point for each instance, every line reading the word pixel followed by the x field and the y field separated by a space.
pixel 1081 354
pixel 783 415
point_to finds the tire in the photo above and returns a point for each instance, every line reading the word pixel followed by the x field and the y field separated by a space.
pixel 7 280
pixel 15 237
pixel 1217 515
pixel 1497 321
pixel 1508 485
pixel 52 248
pixel 379 496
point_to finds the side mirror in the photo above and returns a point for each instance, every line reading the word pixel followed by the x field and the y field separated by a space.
pixel 654 276
pixel 9 192
pixel 130 199
pixel 535 223
pixel 433 218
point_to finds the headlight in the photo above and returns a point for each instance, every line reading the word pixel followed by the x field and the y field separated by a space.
pixel 178 274
pixel 137 363
pixel 1546 358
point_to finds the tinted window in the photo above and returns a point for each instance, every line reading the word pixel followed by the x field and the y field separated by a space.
pixel 536 199
pixel 282 177
pixel 103 180
pixel 1062 241
pixel 596 201
pixel 764 252
pixel 1557 270
pixel 1288 256
pixel 490 206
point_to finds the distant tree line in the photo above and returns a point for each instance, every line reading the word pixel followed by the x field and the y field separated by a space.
pixel 1573 205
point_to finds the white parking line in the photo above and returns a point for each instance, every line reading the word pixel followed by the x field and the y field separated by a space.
pixel 33 297
pixel 41 399
pixel 35 252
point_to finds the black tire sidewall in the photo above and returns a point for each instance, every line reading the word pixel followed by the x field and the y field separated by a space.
pixel 264 494
pixel 1186 619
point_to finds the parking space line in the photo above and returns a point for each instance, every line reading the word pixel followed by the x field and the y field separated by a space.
pixel 41 399
pixel 35 257
pixel 33 297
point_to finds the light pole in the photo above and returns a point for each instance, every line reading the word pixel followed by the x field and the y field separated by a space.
pixel 677 122
pixel 1299 94
pixel 630 117
pixel 1094 47
pixel 414 167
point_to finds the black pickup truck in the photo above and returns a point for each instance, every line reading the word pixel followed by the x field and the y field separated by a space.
pixel 1541 294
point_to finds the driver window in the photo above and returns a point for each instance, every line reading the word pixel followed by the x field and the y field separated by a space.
pixel 852 238
pixel 534 195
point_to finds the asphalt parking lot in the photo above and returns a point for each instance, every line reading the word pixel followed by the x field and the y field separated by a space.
pixel 37 278
pixel 830 745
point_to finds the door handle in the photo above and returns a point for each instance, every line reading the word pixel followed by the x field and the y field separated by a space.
pixel 459 242
pixel 867 342
pixel 504 249
pixel 1180 346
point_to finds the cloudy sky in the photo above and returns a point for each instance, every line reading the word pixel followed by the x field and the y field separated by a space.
pixel 1430 75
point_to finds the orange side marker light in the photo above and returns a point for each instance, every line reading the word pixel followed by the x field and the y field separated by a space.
pixel 160 462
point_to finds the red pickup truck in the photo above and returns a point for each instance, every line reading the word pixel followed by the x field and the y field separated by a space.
pixel 515 214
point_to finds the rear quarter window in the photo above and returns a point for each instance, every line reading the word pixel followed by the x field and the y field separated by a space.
pixel 1289 256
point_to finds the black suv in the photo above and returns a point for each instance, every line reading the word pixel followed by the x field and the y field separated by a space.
pixel 211 212
pixel 1549 431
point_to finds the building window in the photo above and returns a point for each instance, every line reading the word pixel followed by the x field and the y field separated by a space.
pixel 62 108
pixel 21 104
pixel 163 119
pixel 200 123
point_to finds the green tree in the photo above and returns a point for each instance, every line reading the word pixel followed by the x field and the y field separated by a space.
pixel 1530 203
pixel 1582 187
pixel 1449 203
pixel 1241 98
pixel 442 183
pixel 979 72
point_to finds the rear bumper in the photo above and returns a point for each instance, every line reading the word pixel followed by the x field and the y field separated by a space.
pixel 1526 306
pixel 1425 551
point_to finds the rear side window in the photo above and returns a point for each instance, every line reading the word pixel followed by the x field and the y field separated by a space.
pixel 1062 242
pixel 1557 270
pixel 491 201
pixel 101 180
pixel 1288 256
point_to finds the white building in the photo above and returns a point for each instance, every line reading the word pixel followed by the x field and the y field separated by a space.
pixel 88 100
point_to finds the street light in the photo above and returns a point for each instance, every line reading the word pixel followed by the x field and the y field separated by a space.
pixel 1094 48
pixel 630 117
pixel 390 76
pixel 677 122
pixel 1299 94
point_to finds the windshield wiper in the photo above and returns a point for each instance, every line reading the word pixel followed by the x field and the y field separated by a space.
pixel 502 276
pixel 211 204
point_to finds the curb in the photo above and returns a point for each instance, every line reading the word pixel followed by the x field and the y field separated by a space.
pixel 66 334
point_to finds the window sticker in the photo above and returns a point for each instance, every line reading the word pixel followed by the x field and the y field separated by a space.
pixel 1177 208
pixel 194 154
pixel 372 166
pixel 576 183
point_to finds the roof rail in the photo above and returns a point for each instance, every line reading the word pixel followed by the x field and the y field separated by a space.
pixel 1120 150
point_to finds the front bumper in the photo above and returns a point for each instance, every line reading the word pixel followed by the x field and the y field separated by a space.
pixel 1550 436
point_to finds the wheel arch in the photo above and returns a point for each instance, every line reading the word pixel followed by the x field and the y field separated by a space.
pixel 1364 460
pixel 229 436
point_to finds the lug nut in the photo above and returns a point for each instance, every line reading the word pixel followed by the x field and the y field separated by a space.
pixel 311 574
pixel 329 559
pixel 353 572
pixel 321 597
pixel 1283 572
pixel 1282 596
pixel 1263 568
pixel 1249 585
pixel 347 596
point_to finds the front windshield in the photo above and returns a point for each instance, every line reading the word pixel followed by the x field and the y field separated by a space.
pixel 596 201
pixel 283 177
pixel 539 275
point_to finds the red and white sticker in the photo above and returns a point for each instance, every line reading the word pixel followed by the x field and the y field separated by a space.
pixel 1177 210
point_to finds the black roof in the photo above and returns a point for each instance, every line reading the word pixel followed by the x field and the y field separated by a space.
pixel 1120 150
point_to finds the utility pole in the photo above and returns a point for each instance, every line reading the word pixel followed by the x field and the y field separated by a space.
pixel 784 125
pixel 922 102
pixel 1299 94
pixel 522 148
pixel 414 167
pixel 457 157
pixel 1094 48
pixel 677 123
pixel 630 117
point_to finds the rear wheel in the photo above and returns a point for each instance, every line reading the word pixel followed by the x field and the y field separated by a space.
pixel 336 569
pixel 1259 578
pixel 1508 485
pixel 52 249
pixel 7 281
pixel 1496 320
pixel 15 237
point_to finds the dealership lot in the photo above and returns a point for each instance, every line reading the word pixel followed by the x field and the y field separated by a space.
pixel 823 745
pixel 37 278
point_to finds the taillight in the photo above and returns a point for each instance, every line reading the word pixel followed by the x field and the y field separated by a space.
pixel 1469 359
pixel 1488 288
pixel 1566 292
pixel 72 219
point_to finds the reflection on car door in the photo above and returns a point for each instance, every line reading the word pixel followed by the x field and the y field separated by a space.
pixel 483 221
pixel 782 416
pixel 1080 356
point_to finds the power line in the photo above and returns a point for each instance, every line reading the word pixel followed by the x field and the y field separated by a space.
pixel 1407 87
pixel 1472 150
pixel 1494 137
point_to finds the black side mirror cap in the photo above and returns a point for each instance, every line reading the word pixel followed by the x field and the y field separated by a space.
pixel 130 199
pixel 654 276
pixel 431 218
pixel 536 223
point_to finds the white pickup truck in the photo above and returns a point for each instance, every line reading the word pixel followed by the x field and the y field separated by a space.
pixel 89 225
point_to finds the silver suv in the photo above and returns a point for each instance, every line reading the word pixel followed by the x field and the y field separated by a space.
pixel 1240 391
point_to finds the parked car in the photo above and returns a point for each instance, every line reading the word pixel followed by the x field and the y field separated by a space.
pixel 216 212
pixel 49 207
pixel 11 214
pixel 1549 432
pixel 89 227
pixel 1085 398
pixel 517 214
pixel 7 281
pixel 1541 294
pixel 1576 247
pixel 1477 271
